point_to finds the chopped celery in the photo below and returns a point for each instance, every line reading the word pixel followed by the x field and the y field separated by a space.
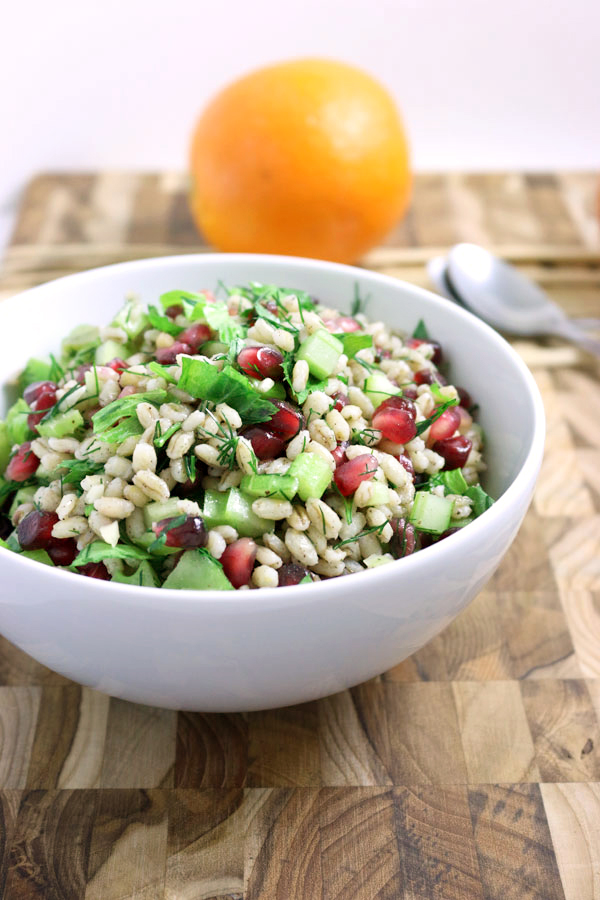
pixel 321 351
pixel 313 473
pixel 431 513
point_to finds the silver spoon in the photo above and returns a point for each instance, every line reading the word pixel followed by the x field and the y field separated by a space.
pixel 502 296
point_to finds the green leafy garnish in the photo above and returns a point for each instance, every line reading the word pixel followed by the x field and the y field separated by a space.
pixel 353 342
pixel 228 441
pixel 452 479
pixel 372 530
pixel 203 380
pixel 16 422
pixel 481 500
pixel 306 580
pixel 359 304
pixel 424 425
pixel 217 316
pixel 189 461
pixel 124 408
pixel 78 469
pixel 121 431
pixel 162 372
pixel 160 438
pixel 35 370
pixel 98 551
pixel 163 323
pixel 420 331
pixel 161 540
pixel 188 300
pixel 289 360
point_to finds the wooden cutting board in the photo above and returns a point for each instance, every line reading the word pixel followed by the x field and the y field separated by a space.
pixel 469 772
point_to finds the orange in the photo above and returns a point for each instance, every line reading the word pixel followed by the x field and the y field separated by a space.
pixel 307 158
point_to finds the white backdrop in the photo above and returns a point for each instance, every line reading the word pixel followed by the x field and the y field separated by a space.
pixel 482 84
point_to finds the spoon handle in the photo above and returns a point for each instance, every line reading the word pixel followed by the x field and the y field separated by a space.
pixel 572 332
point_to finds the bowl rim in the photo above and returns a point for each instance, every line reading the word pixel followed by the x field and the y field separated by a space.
pixel 276 596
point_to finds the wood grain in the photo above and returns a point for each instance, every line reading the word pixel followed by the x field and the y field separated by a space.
pixel 573 812
pixel 418 785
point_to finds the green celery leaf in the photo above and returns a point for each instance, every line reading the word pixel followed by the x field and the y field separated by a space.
pixel 163 323
pixel 353 342
pixel 420 331
pixel 124 407
pixel 120 432
pixel 78 469
pixel 481 500
pixel 186 299
pixel 35 370
pixel 161 439
pixel 217 316
pixel 204 381
pixel 162 371
pixel 98 551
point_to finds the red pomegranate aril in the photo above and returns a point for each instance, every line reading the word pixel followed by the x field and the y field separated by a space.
pixel 238 561
pixel 117 365
pixel 80 372
pixel 403 540
pixel 410 393
pixel 406 462
pixel 261 362
pixel 265 444
pixel 437 355
pixel 350 474
pixel 33 392
pixel 271 305
pixel 341 400
pixel 34 532
pixel 62 551
pixel 398 402
pixel 194 336
pixel 445 426
pixel 291 573
pixel 396 424
pixel 427 376
pixel 455 451
pixel 347 324
pixel 465 398
pixel 167 356
pixel 447 533
pixel 23 464
pixel 287 421
pixel 339 454
pixel 174 310
pixel 95 570
pixel 45 401
pixel 188 535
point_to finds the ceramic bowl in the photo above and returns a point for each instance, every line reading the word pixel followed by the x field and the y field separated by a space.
pixel 271 647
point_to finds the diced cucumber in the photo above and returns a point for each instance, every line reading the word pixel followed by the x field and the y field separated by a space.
pixel 16 422
pixel 107 351
pixel 380 494
pixel 131 318
pixel 454 480
pixel 321 350
pixel 64 423
pixel 38 555
pixel 431 513
pixel 313 473
pixel 23 495
pixel 82 336
pixel 163 509
pixel 212 348
pixel 35 370
pixel 460 523
pixel 378 388
pixel 378 559
pixel 284 486
pixel 4 446
pixel 147 538
pixel 144 576
pixel 239 515
pixel 215 505
pixel 198 571
pixel 481 500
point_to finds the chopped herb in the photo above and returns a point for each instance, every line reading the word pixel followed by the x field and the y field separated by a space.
pixel 163 323
pixel 123 408
pixel 186 299
pixel 372 530
pixel 161 540
pixel 420 331
pixel 306 580
pixel 424 425
pixel 35 370
pixel 121 431
pixel 98 551
pixel 78 469
pixel 203 380
pixel 162 372
pixel 217 316
pixel 370 367
pixel 161 439
pixel 189 461
pixel 367 437
pixel 481 500
pixel 359 304
pixel 353 342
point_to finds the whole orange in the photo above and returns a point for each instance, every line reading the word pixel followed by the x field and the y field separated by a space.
pixel 307 158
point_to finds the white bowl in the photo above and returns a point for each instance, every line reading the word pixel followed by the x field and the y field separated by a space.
pixel 256 649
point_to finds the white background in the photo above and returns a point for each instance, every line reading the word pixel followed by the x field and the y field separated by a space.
pixel 482 84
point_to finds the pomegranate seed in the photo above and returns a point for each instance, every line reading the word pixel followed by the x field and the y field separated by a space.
pixel 189 534
pixel 62 551
pixel 195 335
pixel 455 451
pixel 403 540
pixel 127 391
pixel 447 533
pixel 410 393
pixel 427 376
pixel 173 311
pixel 347 324
pixel 466 420
pixel 437 356
pixel 445 426
pixel 95 570
pixel 33 392
pixel 117 365
pixel 406 462
pixel 23 464
pixel 396 423
pixel 80 372
pixel 291 573
pixel 465 398
pixel 287 421
pixel 341 400
pixel 339 454
pixel 265 444
pixel 350 474
pixel 238 561
pixel 261 362
pixel 166 356
pixel 45 401
pixel 271 305
pixel 35 530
